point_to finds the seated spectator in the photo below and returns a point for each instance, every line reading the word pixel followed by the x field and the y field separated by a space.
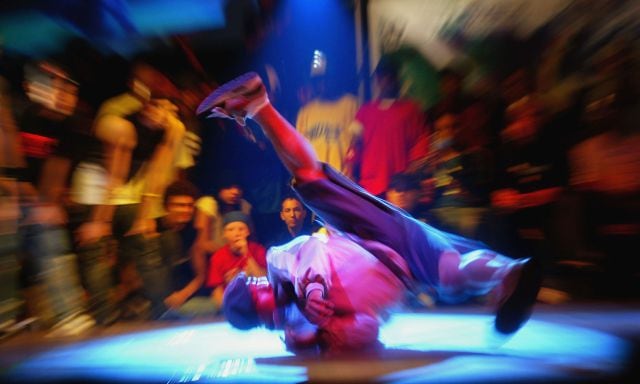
pixel 185 262
pixel 211 209
pixel 295 219
pixel 239 254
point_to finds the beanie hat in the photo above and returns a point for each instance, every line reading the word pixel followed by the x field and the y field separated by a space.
pixel 238 306
pixel 234 216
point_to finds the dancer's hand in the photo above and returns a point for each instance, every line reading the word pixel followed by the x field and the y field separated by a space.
pixel 317 309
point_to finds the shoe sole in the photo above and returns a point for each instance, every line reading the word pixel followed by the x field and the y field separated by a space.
pixel 242 85
pixel 516 310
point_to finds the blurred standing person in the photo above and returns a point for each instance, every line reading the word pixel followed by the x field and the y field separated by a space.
pixel 326 122
pixel 605 167
pixel 532 174
pixel 11 165
pixel 140 151
pixel 392 134
pixel 54 131
pixel 145 81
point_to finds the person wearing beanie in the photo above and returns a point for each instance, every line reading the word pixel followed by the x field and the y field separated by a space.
pixel 212 208
pixel 239 254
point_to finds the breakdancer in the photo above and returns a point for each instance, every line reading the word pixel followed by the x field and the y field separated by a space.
pixel 329 290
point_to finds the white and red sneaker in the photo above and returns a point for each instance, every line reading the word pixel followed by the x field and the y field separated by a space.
pixel 238 99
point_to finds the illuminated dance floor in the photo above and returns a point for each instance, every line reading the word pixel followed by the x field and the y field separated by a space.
pixel 578 343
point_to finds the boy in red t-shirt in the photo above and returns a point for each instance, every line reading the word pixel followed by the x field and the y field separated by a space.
pixel 237 255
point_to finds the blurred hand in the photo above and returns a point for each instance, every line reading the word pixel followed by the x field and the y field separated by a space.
pixel 350 162
pixel 8 187
pixel 207 246
pixel 239 246
pixel 92 231
pixel 168 106
pixel 175 300
pixel 145 227
pixel 27 192
pixel 253 269
pixel 48 214
pixel 318 310
pixel 160 113
pixel 230 274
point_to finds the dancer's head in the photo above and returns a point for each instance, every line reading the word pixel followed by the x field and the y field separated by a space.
pixel 249 302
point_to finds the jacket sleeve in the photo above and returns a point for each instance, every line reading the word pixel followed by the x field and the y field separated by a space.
pixel 313 270
pixel 281 260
